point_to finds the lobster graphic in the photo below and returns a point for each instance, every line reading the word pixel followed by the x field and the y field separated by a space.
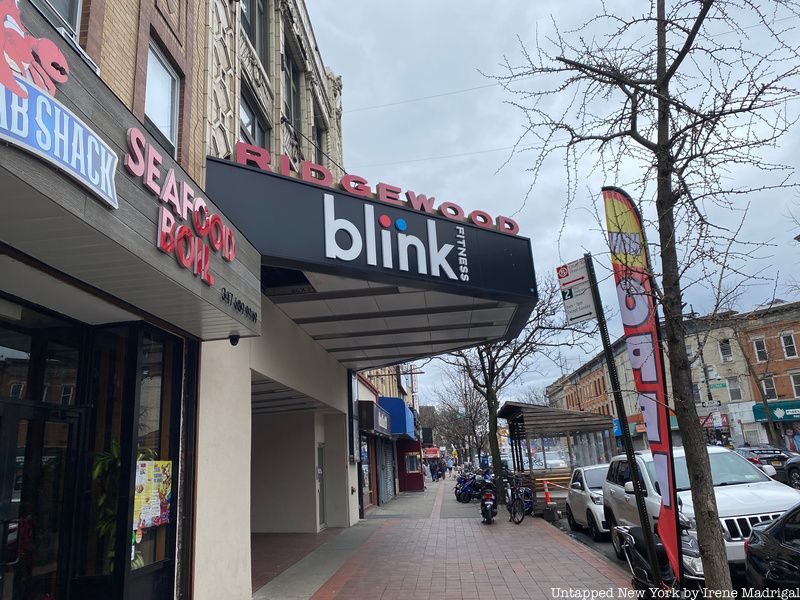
pixel 38 60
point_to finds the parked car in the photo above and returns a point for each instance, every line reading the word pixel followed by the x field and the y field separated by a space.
pixel 768 455
pixel 744 493
pixel 585 500
pixel 773 553
pixel 792 467
pixel 554 460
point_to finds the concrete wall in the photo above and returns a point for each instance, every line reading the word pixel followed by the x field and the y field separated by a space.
pixel 283 468
pixel 287 354
pixel 222 530
pixel 337 473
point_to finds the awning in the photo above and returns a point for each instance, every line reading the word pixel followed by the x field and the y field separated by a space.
pixel 402 419
pixel 375 283
pixel 786 410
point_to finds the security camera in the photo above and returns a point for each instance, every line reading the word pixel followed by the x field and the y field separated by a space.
pixel 233 339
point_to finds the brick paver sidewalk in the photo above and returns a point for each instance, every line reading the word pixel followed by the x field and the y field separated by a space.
pixel 463 559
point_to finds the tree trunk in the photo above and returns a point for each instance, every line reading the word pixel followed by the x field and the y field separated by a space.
pixel 494 444
pixel 709 532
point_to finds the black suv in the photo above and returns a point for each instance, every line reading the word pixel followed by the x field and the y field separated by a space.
pixel 792 467
pixel 768 455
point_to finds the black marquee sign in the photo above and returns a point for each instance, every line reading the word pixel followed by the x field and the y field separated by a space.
pixel 301 225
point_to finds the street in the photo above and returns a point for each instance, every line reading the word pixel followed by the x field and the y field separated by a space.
pixel 604 547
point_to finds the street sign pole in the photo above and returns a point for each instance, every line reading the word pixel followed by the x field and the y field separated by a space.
pixel 644 518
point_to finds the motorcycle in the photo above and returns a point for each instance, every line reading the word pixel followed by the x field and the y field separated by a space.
pixel 468 490
pixel 488 496
pixel 635 550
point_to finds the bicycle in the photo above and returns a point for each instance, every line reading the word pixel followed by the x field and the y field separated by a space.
pixel 515 500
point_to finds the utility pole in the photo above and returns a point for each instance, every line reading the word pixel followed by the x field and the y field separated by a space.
pixel 694 316
pixel 636 480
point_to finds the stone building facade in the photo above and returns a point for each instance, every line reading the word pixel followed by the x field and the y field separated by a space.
pixel 268 85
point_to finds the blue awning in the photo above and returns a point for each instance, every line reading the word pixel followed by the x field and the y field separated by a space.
pixel 402 419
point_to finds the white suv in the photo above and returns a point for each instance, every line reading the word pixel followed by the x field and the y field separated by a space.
pixel 745 495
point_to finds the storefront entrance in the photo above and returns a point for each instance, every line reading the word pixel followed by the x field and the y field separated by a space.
pixel 86 414
pixel 37 446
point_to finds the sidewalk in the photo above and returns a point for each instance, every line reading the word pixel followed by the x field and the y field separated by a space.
pixel 427 546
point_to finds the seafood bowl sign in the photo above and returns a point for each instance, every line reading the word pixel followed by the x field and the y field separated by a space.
pixel 32 119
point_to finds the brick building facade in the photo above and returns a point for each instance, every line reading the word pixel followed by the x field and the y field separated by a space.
pixel 737 359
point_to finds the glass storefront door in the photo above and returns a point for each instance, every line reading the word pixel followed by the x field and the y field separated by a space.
pixel 37 445
pixel 90 444
pixel 39 427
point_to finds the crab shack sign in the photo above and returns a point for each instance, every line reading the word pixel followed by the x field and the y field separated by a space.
pixel 32 119
pixel 254 156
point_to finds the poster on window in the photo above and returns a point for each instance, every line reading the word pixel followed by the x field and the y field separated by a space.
pixel 152 493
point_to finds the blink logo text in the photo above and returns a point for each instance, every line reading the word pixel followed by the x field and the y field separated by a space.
pixel 431 258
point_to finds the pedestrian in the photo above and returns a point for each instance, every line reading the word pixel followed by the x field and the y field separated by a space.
pixel 434 472
pixel 450 466
pixel 426 470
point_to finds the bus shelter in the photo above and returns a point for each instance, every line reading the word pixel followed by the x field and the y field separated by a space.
pixel 576 438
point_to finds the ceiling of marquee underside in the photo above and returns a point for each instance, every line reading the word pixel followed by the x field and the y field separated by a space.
pixel 365 324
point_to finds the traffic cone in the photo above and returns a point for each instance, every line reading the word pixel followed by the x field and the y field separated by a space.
pixel 546 493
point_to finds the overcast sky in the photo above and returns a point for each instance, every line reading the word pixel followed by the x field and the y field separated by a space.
pixel 390 54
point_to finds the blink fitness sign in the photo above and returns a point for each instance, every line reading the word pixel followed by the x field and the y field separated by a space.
pixel 32 119
pixel 308 225
pixel 186 228
pixel 430 254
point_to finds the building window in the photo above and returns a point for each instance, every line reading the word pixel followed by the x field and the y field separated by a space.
pixel 796 384
pixel 319 135
pixel 734 391
pixel 789 349
pixel 67 12
pixel 161 98
pixel 412 462
pixel 768 385
pixel 66 394
pixel 761 350
pixel 15 390
pixel 255 24
pixel 711 372
pixel 252 124
pixel 291 91
pixel 725 351
pixel 696 392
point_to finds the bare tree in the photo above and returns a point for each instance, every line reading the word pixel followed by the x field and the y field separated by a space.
pixel 689 96
pixel 459 399
pixel 493 367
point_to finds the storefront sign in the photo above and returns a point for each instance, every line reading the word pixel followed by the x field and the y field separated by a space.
pixel 715 420
pixel 247 154
pixel 301 225
pixel 180 205
pixel 781 411
pixel 32 119
pixel 373 417
pixel 430 452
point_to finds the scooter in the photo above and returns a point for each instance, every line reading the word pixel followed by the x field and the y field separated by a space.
pixel 488 499
pixel 635 549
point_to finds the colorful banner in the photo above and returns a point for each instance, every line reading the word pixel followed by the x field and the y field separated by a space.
pixel 152 494
pixel 637 309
